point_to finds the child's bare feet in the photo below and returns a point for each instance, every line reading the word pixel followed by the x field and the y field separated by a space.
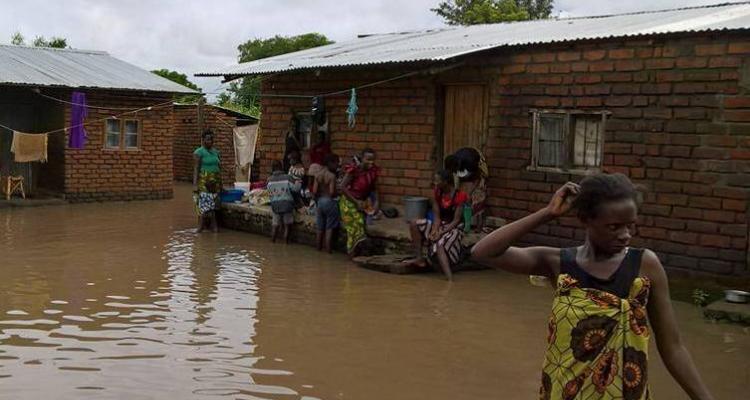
pixel 416 262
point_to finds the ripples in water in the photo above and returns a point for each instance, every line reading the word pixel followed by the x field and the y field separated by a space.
pixel 115 303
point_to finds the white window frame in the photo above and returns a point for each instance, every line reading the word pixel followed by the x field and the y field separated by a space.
pixel 568 137
pixel 121 135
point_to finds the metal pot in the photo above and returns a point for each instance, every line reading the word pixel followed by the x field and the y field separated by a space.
pixel 415 207
pixel 736 296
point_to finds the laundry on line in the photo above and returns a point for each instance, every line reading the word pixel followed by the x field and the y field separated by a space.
pixel 27 147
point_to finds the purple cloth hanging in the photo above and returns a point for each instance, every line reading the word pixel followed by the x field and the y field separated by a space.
pixel 78 114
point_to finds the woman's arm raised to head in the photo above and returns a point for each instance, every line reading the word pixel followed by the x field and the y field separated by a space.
pixel 661 316
pixel 495 250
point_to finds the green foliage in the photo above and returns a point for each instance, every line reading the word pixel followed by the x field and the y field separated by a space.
pixel 253 111
pixel 242 94
pixel 176 77
pixel 537 9
pixel 256 49
pixel 472 12
pixel 181 79
pixel 700 297
pixel 17 39
pixel 55 42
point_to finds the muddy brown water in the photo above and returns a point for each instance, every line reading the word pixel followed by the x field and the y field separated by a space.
pixel 125 301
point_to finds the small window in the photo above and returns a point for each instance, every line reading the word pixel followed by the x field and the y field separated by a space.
pixel 567 140
pixel 112 140
pixel 131 134
pixel 121 134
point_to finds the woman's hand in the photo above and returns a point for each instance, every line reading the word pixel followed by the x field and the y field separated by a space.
pixel 434 233
pixel 562 200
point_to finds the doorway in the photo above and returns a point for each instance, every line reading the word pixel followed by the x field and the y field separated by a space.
pixel 464 117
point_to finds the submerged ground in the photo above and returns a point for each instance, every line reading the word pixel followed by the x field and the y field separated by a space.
pixel 124 300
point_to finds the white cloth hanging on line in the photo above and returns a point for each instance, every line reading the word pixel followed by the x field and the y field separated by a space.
pixel 27 147
pixel 245 139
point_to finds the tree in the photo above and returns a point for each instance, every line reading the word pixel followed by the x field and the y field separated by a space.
pixel 55 42
pixel 243 95
pixel 182 79
pixel 17 39
pixel 176 77
pixel 537 9
pixel 472 12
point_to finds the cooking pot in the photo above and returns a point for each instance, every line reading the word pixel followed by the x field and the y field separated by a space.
pixel 736 296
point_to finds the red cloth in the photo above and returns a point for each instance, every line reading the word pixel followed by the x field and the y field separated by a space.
pixel 448 204
pixel 445 201
pixel 319 152
pixel 258 185
pixel 363 181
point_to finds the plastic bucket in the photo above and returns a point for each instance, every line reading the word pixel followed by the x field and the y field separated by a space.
pixel 230 196
pixel 415 207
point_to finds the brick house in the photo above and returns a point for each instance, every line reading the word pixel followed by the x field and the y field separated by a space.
pixel 663 97
pixel 128 154
pixel 187 137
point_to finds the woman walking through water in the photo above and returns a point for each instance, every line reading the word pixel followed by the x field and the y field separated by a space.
pixel 607 294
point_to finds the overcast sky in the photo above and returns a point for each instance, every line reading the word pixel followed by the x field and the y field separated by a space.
pixel 197 35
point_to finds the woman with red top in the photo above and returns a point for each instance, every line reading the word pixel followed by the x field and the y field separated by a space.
pixel 360 197
pixel 444 234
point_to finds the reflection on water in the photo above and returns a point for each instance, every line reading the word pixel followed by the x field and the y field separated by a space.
pixel 123 300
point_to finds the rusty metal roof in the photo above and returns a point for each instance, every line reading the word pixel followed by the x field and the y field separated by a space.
pixel 39 66
pixel 450 42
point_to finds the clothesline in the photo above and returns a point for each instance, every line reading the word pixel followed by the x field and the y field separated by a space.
pixel 329 94
pixel 65 129
pixel 37 91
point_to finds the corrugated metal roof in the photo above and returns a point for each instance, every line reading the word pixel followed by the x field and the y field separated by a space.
pixel 37 66
pixel 451 42
pixel 236 113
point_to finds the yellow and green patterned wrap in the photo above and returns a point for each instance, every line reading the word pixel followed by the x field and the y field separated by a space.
pixel 597 344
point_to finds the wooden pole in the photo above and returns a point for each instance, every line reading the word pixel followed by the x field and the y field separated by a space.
pixel 201 101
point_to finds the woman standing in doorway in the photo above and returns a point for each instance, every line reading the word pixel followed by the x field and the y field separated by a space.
pixel 609 297
pixel 207 163
pixel 360 197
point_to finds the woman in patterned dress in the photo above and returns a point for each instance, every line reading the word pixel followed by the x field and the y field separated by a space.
pixel 443 235
pixel 609 297
pixel 207 163
pixel 360 197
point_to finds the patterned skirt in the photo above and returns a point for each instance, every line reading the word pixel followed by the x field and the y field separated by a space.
pixel 204 178
pixel 353 222
pixel 449 241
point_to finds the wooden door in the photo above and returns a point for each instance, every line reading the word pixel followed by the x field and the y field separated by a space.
pixel 465 113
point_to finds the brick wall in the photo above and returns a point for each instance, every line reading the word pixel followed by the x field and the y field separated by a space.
pixel 98 174
pixel 679 127
pixel 188 137
pixel 396 119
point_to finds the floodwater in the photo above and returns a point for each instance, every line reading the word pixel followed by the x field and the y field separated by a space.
pixel 125 301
